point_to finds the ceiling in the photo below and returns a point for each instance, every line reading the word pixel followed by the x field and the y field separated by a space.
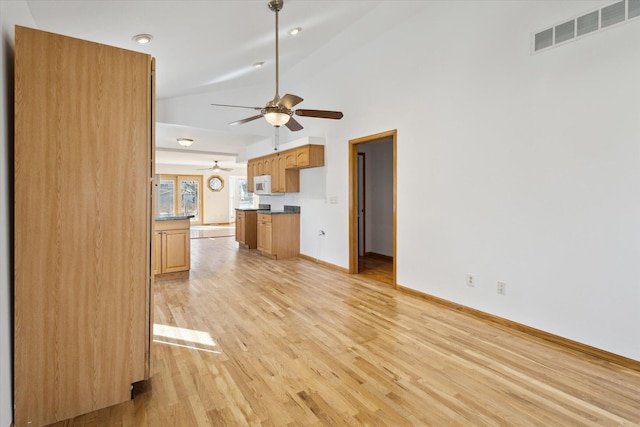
pixel 204 51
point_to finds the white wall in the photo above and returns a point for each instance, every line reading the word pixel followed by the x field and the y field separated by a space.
pixel 11 13
pixel 215 204
pixel 528 165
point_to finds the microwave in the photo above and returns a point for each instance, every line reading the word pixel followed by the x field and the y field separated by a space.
pixel 262 186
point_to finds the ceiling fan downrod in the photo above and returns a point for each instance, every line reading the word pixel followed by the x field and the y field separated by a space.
pixel 276 6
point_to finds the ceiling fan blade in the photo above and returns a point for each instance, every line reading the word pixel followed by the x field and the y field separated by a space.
pixel 248 119
pixel 322 114
pixel 290 101
pixel 236 106
pixel 293 125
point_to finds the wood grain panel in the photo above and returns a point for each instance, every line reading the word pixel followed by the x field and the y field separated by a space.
pixel 291 343
pixel 82 241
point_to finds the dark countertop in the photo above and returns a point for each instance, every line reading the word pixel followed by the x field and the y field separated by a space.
pixel 247 209
pixel 173 217
pixel 286 210
pixel 277 212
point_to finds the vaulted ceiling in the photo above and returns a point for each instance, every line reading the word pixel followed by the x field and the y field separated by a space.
pixel 205 51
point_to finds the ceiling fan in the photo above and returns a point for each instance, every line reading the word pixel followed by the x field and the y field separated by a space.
pixel 279 111
pixel 216 168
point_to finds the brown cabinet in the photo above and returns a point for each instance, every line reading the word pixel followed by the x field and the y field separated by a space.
pixel 284 167
pixel 250 175
pixel 246 228
pixel 309 156
pixel 272 161
pixel 83 267
pixel 172 246
pixel 279 235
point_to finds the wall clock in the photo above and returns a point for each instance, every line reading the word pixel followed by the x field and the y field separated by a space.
pixel 215 183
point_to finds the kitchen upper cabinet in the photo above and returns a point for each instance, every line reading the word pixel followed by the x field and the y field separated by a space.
pixel 250 175
pixel 83 248
pixel 288 179
pixel 266 166
pixel 284 167
pixel 309 156
pixel 279 235
pixel 272 162
pixel 291 161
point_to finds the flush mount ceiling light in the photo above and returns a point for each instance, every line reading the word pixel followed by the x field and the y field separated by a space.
pixel 142 38
pixel 295 31
pixel 258 64
pixel 185 142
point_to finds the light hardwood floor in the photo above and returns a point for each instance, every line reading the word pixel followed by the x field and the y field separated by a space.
pixel 251 341
pixel 376 267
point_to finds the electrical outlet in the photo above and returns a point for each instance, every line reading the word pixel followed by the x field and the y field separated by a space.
pixel 471 281
pixel 502 288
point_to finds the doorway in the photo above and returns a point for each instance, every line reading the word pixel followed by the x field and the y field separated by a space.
pixel 372 206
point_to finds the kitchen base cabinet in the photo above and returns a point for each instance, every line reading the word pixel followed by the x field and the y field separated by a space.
pixel 172 246
pixel 247 228
pixel 279 235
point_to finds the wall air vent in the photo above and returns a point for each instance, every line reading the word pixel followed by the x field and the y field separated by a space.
pixel 616 13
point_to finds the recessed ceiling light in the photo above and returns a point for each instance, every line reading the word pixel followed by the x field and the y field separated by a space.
pixel 258 64
pixel 142 38
pixel 185 142
pixel 295 31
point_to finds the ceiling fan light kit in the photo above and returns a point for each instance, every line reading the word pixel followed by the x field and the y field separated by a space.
pixel 216 168
pixel 276 118
pixel 278 111
pixel 185 142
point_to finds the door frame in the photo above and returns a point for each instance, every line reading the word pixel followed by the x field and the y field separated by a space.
pixel 361 208
pixel 353 197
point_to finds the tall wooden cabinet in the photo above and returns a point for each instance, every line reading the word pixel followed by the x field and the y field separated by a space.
pixel 83 225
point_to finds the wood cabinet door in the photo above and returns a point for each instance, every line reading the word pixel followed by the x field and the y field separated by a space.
pixel 260 236
pixel 265 239
pixel 266 166
pixel 291 159
pixel 275 174
pixel 281 166
pixel 310 156
pixel 83 127
pixel 302 156
pixel 240 227
pixel 175 251
pixel 250 175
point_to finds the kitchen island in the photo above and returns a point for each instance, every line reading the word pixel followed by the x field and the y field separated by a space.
pixel 172 247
